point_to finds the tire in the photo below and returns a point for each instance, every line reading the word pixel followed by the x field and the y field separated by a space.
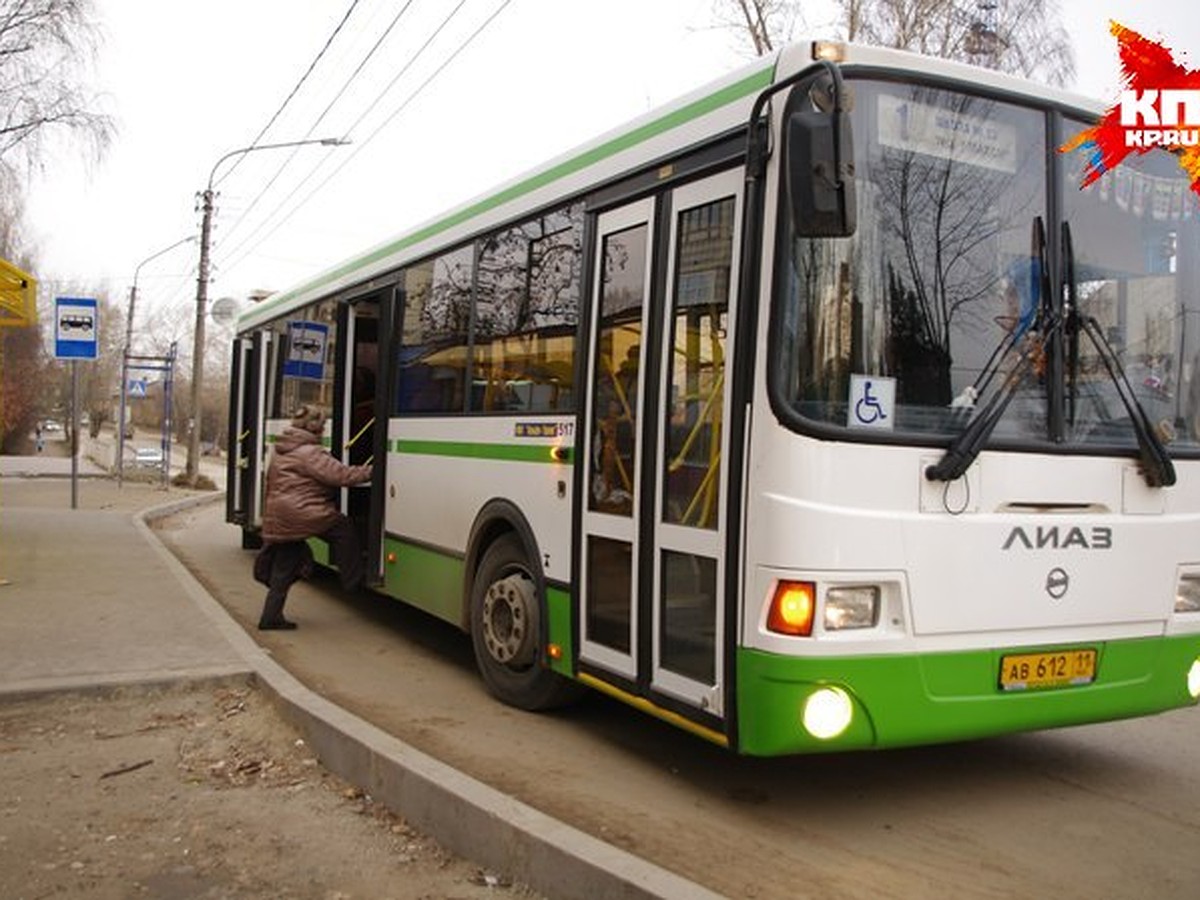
pixel 506 624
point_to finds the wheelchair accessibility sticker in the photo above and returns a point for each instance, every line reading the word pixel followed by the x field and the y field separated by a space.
pixel 872 402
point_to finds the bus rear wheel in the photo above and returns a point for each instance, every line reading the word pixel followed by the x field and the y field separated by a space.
pixel 506 627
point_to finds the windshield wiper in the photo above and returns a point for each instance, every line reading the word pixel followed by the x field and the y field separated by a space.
pixel 970 441
pixel 1030 337
pixel 1156 466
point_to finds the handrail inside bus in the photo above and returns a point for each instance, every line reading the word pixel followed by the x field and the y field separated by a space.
pixel 705 492
pixel 350 443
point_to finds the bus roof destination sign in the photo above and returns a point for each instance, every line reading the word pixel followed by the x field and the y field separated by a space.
pixel 76 327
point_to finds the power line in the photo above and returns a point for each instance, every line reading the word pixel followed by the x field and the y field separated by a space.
pixel 312 65
pixel 345 86
pixel 359 146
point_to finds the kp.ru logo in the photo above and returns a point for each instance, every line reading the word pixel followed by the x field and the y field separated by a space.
pixel 1153 118
pixel 1160 108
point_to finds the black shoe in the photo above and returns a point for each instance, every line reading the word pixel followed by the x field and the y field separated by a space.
pixel 279 625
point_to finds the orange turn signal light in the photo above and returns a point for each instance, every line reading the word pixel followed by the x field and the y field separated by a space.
pixel 792 608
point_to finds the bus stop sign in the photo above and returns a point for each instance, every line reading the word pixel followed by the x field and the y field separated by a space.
pixel 76 326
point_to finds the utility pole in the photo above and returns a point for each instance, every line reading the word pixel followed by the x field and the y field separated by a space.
pixel 206 206
pixel 193 454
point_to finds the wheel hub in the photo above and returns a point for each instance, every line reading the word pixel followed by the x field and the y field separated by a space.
pixel 507 618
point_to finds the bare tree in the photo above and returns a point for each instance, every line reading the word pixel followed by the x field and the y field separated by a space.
pixel 1021 37
pixel 46 48
pixel 767 24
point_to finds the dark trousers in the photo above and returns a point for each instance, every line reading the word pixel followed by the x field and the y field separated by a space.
pixel 287 564
pixel 290 561
pixel 346 553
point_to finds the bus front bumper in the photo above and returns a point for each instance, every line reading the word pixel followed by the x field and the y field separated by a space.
pixel 905 700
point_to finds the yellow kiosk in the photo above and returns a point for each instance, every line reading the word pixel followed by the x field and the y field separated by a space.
pixel 18 296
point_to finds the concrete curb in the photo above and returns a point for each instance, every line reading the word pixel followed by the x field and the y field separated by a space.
pixel 463 814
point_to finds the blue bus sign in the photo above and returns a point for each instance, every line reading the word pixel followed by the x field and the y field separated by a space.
pixel 306 350
pixel 76 327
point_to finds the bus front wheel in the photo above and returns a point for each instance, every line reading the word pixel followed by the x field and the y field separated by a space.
pixel 506 625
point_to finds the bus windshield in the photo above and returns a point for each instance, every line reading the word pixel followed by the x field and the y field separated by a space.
pixel 953 287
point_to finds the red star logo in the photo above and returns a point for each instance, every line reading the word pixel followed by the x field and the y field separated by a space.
pixel 1146 66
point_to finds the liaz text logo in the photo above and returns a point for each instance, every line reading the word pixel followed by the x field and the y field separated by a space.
pixel 1166 118
pixel 1054 537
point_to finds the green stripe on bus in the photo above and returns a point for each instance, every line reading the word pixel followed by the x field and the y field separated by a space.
pixel 533 453
pixel 911 699
pixel 731 93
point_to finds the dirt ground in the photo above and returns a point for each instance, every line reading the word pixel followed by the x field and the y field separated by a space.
pixel 198 793
pixel 191 793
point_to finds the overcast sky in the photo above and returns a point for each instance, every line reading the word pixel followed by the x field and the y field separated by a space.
pixel 189 82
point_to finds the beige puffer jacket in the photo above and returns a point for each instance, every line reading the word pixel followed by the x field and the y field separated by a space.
pixel 300 482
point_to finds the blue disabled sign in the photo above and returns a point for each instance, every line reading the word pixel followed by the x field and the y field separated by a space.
pixel 76 327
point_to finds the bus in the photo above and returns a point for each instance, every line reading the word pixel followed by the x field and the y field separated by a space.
pixel 819 410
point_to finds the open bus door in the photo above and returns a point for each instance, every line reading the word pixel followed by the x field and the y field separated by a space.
pixel 247 442
pixel 360 418
pixel 654 521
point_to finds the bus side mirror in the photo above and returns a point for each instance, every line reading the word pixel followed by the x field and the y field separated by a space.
pixel 820 173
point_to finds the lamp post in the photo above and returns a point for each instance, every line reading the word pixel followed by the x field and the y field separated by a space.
pixel 129 349
pixel 206 206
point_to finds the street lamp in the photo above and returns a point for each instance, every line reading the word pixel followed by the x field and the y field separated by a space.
pixel 129 349
pixel 206 201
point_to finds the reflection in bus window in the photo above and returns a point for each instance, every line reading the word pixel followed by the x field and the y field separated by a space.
pixel 948 186
pixel 432 365
pixel 1136 237
pixel 527 306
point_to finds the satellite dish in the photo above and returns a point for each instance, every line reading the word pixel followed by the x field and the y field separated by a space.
pixel 224 311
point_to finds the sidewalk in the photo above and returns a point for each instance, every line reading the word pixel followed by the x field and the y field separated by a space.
pixel 90 600
pixel 97 458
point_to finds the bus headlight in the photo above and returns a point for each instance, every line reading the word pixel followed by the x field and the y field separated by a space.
pixel 1187 594
pixel 851 607
pixel 827 712
pixel 1194 679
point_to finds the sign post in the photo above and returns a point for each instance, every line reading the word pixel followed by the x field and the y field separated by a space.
pixel 76 330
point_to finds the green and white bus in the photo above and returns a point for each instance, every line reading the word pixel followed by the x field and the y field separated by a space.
pixel 819 410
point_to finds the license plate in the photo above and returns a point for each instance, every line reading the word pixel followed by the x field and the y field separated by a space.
pixel 1049 669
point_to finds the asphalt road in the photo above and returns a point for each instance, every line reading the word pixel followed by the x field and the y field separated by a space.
pixel 1108 811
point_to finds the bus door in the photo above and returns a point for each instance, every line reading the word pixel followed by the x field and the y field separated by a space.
pixel 357 409
pixel 247 450
pixel 654 517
